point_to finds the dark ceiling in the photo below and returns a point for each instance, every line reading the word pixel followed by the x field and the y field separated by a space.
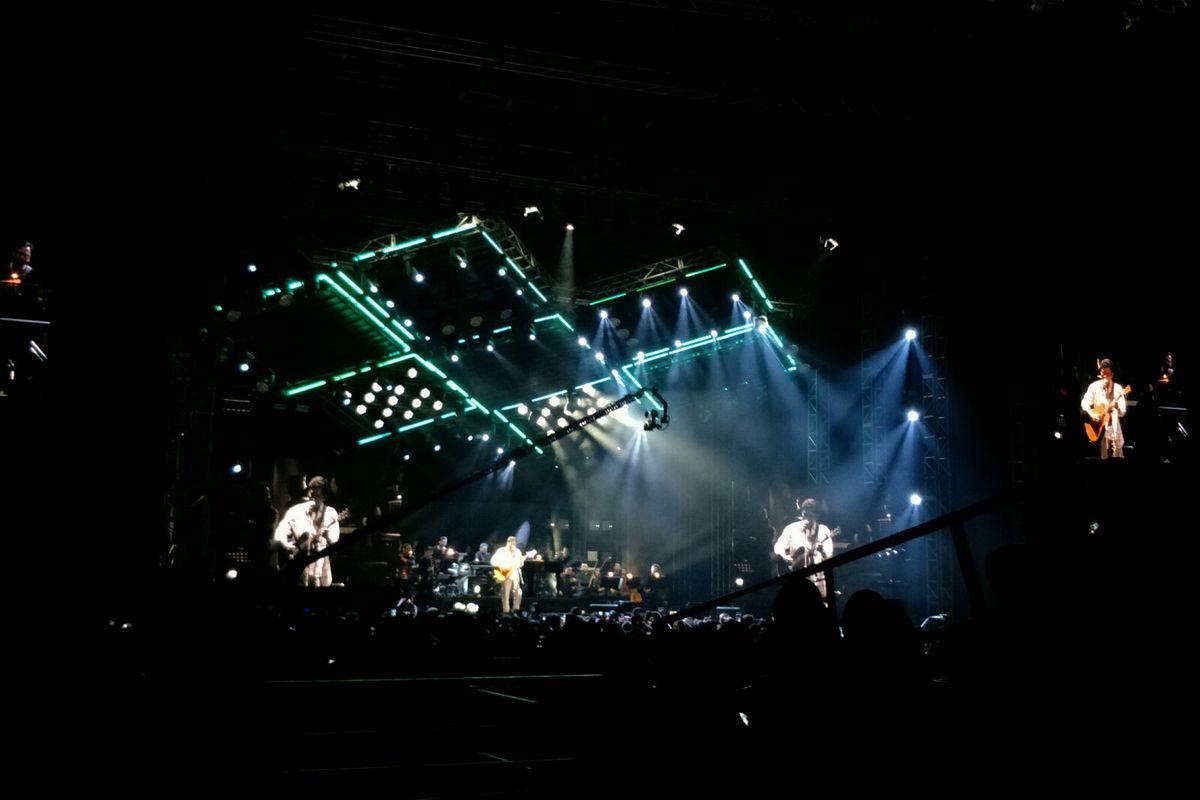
pixel 951 141
pixel 912 132
pixel 921 135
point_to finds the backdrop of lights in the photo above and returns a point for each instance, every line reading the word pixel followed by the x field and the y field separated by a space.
pixel 451 334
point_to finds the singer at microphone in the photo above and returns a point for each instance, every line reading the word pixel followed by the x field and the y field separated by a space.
pixel 1104 401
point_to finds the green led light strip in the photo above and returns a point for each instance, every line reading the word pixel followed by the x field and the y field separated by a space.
pixel 702 271
pixel 492 242
pixel 376 306
pixel 374 438
pixel 348 281
pixel 393 248
pixel 302 388
pixel 606 299
pixel 470 226
pixel 513 264
pixel 366 311
pixel 655 285
pixel 558 317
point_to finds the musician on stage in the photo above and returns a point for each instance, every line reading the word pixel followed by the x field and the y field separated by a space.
pixel 805 542
pixel 443 554
pixel 311 526
pixel 1104 403
pixel 507 562
pixel 19 269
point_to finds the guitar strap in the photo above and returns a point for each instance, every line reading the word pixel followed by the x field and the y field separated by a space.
pixel 1112 433
pixel 812 535
pixel 317 513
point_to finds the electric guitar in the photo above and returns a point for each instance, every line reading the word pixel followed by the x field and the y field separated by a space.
pixel 1094 428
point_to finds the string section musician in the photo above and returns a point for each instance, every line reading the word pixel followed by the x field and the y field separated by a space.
pixel 805 542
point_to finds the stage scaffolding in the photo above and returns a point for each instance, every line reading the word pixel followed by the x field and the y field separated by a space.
pixel 936 478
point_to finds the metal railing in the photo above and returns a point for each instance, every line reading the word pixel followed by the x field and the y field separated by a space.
pixel 955 522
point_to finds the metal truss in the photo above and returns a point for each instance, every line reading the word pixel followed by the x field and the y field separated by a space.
pixel 871 411
pixel 936 483
pixel 817 432
pixel 187 539
pixel 515 249
pixel 639 278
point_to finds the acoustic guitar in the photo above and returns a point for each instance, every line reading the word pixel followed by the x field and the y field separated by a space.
pixel 1094 428
pixel 500 574
pixel 306 543
pixel 810 556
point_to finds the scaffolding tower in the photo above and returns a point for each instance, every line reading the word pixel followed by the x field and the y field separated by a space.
pixel 936 480
pixel 872 413
pixel 817 431
pixel 188 461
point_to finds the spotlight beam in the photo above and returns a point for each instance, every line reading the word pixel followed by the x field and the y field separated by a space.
pixel 291 575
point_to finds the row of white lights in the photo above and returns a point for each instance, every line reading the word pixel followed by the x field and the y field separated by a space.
pixel 683 292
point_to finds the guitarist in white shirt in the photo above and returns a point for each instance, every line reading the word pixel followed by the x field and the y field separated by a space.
pixel 1104 402
pixel 507 562
pixel 806 542
pixel 311 526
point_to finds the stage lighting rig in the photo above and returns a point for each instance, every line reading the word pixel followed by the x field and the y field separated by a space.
pixel 656 421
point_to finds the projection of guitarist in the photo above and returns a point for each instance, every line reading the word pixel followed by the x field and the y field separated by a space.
pixel 1104 402
pixel 311 526
pixel 507 563
pixel 806 542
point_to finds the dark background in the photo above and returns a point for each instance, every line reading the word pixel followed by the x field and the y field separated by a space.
pixel 1028 174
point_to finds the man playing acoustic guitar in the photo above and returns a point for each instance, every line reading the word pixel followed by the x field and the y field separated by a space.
pixel 805 542
pixel 309 527
pixel 507 563
pixel 1104 402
